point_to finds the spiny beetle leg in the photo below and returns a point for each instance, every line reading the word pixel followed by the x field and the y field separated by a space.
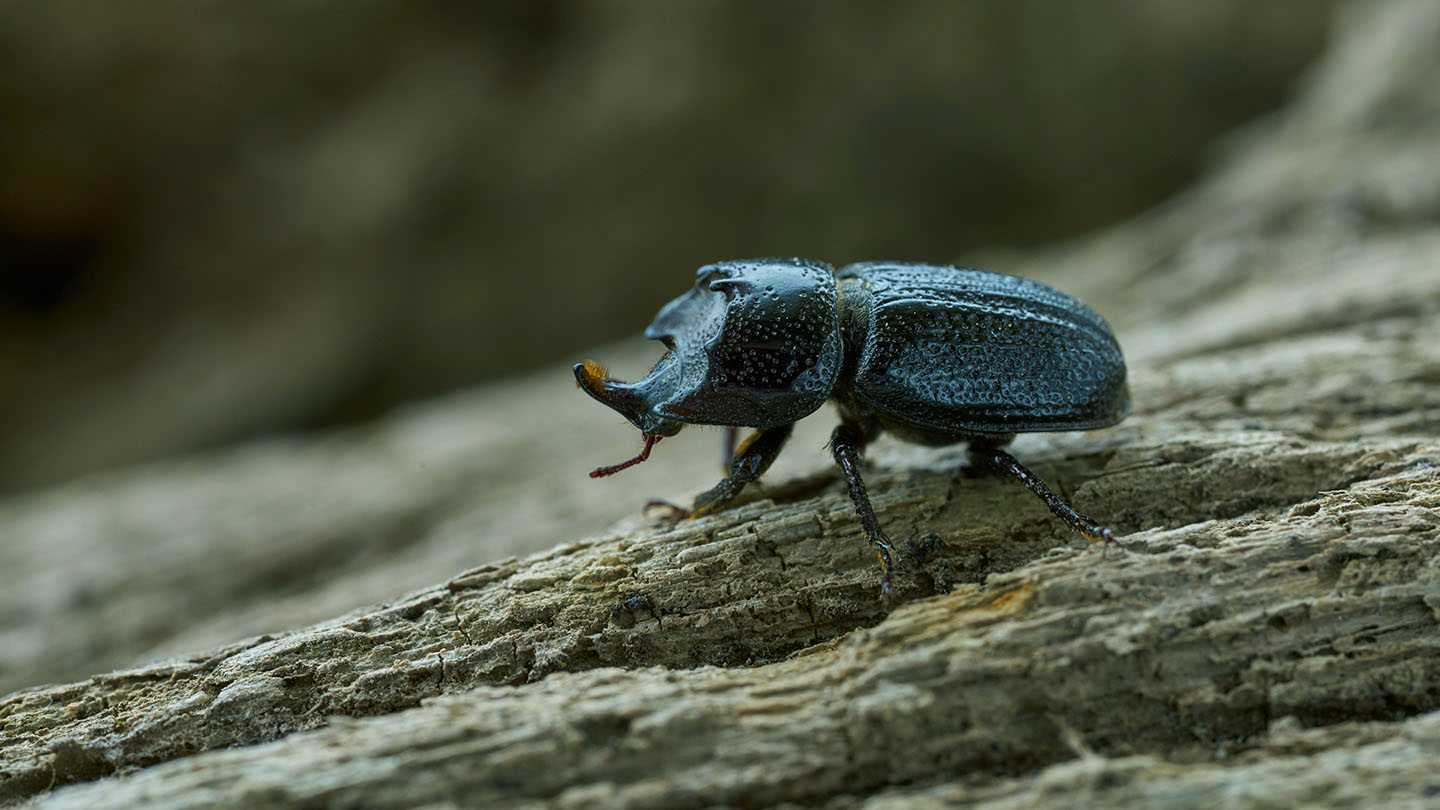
pixel 1006 466
pixel 752 459
pixel 845 444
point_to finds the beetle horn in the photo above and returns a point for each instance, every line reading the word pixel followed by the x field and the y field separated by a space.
pixel 629 400
pixel 622 396
pixel 634 401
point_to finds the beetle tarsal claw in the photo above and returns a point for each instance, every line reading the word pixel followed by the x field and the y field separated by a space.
pixel 672 511
pixel 650 441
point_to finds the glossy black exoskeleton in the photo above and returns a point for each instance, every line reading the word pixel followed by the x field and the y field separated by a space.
pixel 935 355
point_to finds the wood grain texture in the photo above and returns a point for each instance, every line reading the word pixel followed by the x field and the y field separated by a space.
pixel 1268 634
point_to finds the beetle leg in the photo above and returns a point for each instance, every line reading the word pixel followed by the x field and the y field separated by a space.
pixel 752 458
pixel 1006 466
pixel 727 447
pixel 845 444
pixel 671 511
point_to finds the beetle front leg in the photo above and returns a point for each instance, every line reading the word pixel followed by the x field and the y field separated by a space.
pixel 752 459
pixel 1007 466
pixel 845 444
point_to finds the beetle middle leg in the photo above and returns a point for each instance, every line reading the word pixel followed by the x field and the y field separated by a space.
pixel 752 458
pixel 846 443
pixel 989 455
pixel 727 447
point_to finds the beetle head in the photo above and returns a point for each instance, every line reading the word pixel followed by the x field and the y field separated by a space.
pixel 752 344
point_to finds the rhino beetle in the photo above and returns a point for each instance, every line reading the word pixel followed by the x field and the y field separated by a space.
pixel 934 355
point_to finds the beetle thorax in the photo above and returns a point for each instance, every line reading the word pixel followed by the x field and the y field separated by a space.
pixel 753 343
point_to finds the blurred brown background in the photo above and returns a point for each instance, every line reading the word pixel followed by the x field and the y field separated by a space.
pixel 223 219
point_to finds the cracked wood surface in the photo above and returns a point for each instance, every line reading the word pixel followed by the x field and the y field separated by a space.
pixel 1269 632
pixel 1198 638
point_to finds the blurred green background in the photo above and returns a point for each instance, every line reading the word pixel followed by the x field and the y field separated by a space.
pixel 221 219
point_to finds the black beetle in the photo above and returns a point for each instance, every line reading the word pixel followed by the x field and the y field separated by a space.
pixel 935 355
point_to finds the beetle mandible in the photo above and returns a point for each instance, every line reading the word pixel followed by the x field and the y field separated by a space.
pixel 934 355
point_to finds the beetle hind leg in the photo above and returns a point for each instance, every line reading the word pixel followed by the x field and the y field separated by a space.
pixel 846 444
pixel 1001 463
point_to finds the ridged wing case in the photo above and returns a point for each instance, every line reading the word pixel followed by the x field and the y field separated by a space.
pixel 941 350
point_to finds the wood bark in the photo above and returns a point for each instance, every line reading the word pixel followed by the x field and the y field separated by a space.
pixel 1267 634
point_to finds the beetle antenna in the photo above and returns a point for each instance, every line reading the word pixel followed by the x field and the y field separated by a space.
pixel 651 439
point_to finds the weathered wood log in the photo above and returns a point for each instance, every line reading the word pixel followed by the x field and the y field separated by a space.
pixel 1270 626
pixel 1196 640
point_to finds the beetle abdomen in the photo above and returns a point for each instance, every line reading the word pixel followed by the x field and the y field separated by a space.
pixel 945 351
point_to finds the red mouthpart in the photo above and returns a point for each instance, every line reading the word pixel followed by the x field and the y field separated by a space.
pixel 650 441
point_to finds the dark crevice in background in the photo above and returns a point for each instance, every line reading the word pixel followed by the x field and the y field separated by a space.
pixel 39 273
